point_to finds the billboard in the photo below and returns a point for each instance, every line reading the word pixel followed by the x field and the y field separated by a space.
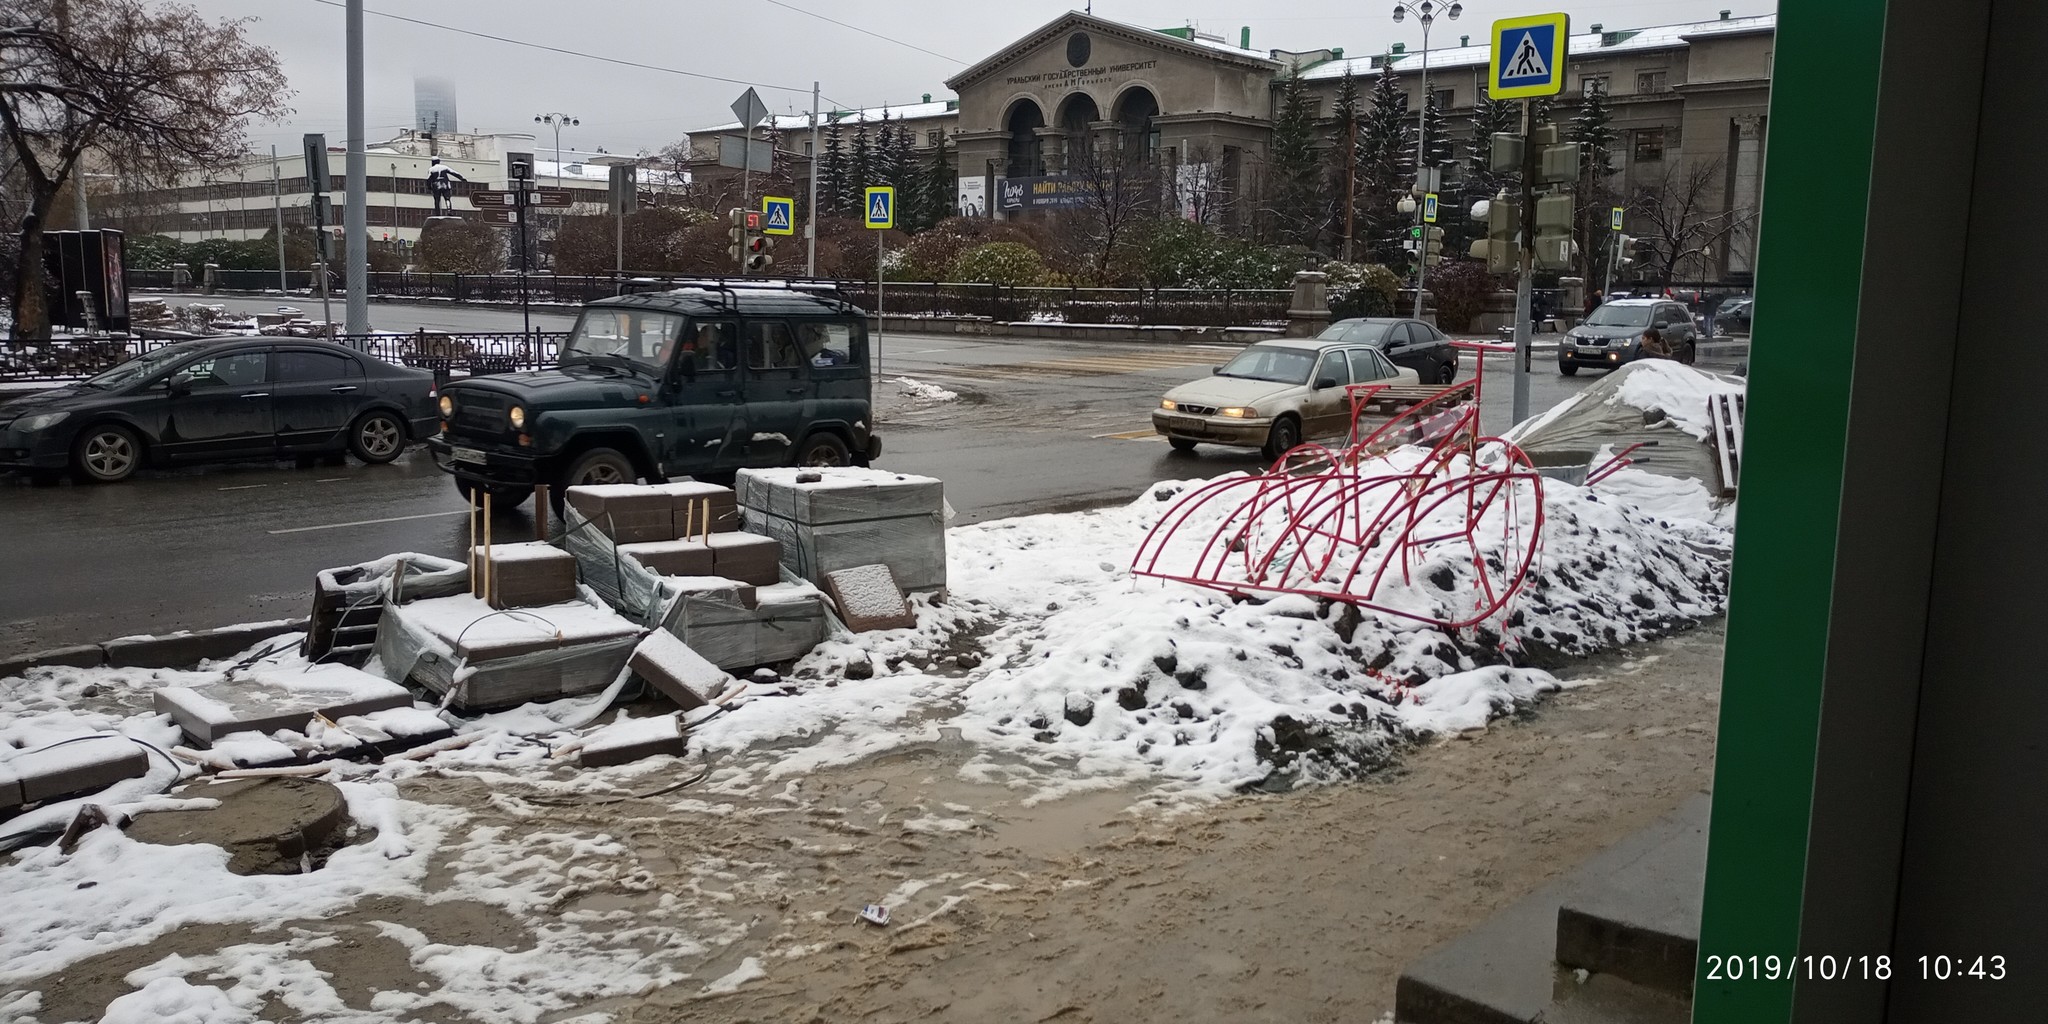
pixel 1041 193
pixel 93 262
pixel 973 197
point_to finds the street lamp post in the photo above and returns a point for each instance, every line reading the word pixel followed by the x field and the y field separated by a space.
pixel 1425 12
pixel 555 120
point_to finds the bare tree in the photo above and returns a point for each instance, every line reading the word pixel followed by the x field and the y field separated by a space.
pixel 1118 189
pixel 1196 189
pixel 151 89
pixel 1683 222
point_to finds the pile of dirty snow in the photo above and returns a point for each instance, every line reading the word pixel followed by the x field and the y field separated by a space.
pixel 923 391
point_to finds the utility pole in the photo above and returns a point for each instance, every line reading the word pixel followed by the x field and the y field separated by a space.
pixel 811 225
pixel 277 205
pixel 356 216
pixel 1350 178
pixel 1425 12
pixel 1525 289
pixel 556 119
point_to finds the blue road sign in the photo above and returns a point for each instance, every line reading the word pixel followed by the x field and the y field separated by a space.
pixel 881 207
pixel 778 215
pixel 1528 56
pixel 1429 208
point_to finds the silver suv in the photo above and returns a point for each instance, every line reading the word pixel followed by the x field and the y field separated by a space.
pixel 1613 335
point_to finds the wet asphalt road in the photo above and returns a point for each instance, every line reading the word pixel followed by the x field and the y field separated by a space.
pixel 1040 426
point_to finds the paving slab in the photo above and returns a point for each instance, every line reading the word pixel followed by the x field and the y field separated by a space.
pixel 679 673
pixel 267 700
pixel 68 767
pixel 631 739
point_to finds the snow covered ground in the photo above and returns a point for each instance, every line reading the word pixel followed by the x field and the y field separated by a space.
pixel 1048 662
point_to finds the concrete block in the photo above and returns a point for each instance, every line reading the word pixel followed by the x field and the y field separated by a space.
pixel 528 575
pixel 692 502
pixel 81 656
pixel 185 649
pixel 627 513
pixel 868 598
pixel 841 494
pixel 746 557
pixel 1642 924
pixel 681 674
pixel 631 739
pixel 265 701
pixel 671 557
pixel 69 767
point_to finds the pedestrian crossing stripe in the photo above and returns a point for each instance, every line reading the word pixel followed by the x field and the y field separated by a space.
pixel 1528 56
pixel 881 207
pixel 778 215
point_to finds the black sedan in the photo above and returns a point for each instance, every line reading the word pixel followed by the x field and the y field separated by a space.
pixel 220 400
pixel 1410 343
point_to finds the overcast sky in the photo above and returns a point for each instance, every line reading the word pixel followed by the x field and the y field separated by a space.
pixel 501 86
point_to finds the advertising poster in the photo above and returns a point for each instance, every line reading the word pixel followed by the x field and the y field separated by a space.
pixel 974 197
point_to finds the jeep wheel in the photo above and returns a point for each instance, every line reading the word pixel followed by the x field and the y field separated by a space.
pixel 600 466
pixel 823 450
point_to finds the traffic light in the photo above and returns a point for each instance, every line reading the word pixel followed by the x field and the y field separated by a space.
pixel 738 234
pixel 1554 248
pixel 1434 252
pixel 759 248
pixel 1503 225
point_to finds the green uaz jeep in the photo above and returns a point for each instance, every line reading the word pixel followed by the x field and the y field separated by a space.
pixel 691 382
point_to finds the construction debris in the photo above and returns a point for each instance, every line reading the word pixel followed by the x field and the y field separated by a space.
pixel 82 764
pixel 630 739
pixel 679 673
pixel 868 598
pixel 479 658
pixel 269 699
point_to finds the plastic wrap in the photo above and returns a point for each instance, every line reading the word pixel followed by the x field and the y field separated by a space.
pixel 531 654
pixel 850 517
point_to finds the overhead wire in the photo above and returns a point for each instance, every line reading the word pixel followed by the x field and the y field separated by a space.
pixel 866 32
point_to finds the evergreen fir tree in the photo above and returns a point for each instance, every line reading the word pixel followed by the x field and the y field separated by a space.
pixel 832 172
pixel 1490 117
pixel 1340 182
pixel 1593 129
pixel 860 164
pixel 1436 137
pixel 1299 214
pixel 941 192
pixel 1385 158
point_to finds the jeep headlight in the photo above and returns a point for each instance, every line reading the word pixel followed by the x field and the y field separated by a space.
pixel 31 424
pixel 518 417
pixel 1168 404
pixel 447 406
pixel 1239 412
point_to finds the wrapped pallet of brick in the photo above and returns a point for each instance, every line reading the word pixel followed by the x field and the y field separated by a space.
pixel 841 517
pixel 479 658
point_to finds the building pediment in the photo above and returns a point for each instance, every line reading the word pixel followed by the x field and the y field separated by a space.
pixel 1062 32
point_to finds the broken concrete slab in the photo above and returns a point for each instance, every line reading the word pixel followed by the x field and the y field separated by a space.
pixel 266 700
pixel 266 825
pixel 83 764
pixel 185 649
pixel 679 673
pixel 868 598
pixel 631 739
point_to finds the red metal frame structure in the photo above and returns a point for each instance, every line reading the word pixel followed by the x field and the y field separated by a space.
pixel 1345 524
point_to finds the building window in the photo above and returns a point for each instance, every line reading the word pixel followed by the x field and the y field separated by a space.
pixel 1445 98
pixel 807 147
pixel 1649 81
pixel 1649 145
pixel 1593 84
pixel 931 138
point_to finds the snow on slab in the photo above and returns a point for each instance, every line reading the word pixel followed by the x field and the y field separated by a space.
pixel 634 732
pixel 868 592
pixel 529 551
pixel 476 623
pixel 668 652
pixel 835 477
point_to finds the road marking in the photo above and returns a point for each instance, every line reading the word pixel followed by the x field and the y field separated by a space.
pixel 371 522
pixel 244 487
pixel 331 479
pixel 1081 367
pixel 1129 435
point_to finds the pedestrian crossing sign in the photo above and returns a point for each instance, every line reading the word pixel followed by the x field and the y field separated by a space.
pixel 778 215
pixel 1614 219
pixel 1429 208
pixel 1528 56
pixel 881 207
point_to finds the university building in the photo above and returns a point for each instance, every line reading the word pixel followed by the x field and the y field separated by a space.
pixel 1196 109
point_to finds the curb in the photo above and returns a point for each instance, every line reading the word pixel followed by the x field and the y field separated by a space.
pixel 173 650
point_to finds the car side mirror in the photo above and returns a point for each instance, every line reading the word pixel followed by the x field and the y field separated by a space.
pixel 180 383
pixel 1218 368
pixel 1323 383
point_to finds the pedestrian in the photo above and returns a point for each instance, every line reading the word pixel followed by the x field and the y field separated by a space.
pixel 1654 346
pixel 1592 302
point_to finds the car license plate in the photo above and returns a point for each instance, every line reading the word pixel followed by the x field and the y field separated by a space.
pixel 1184 423
pixel 470 455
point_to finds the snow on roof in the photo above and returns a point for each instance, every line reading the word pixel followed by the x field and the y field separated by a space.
pixel 1581 44
pixel 897 112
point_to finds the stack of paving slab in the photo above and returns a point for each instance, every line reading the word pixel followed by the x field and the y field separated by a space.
pixel 479 658
pixel 526 575
pixel 718 589
pixel 82 764
pixel 266 700
pixel 837 518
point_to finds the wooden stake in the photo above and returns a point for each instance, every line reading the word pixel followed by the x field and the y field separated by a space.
pixel 689 520
pixel 706 517
pixel 472 543
pixel 486 562
pixel 540 512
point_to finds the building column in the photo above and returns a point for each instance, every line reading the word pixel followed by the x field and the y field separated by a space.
pixel 1749 175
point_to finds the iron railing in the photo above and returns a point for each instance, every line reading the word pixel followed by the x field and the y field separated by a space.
pixel 447 354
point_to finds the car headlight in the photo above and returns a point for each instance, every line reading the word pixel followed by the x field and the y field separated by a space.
pixel 518 417
pixel 447 406
pixel 1239 412
pixel 1168 404
pixel 34 423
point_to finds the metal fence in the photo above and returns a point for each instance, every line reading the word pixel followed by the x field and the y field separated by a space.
pixel 447 354
pixel 1194 307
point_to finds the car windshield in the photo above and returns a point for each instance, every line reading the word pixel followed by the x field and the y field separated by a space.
pixel 642 338
pixel 1620 316
pixel 142 367
pixel 1364 332
pixel 1271 362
